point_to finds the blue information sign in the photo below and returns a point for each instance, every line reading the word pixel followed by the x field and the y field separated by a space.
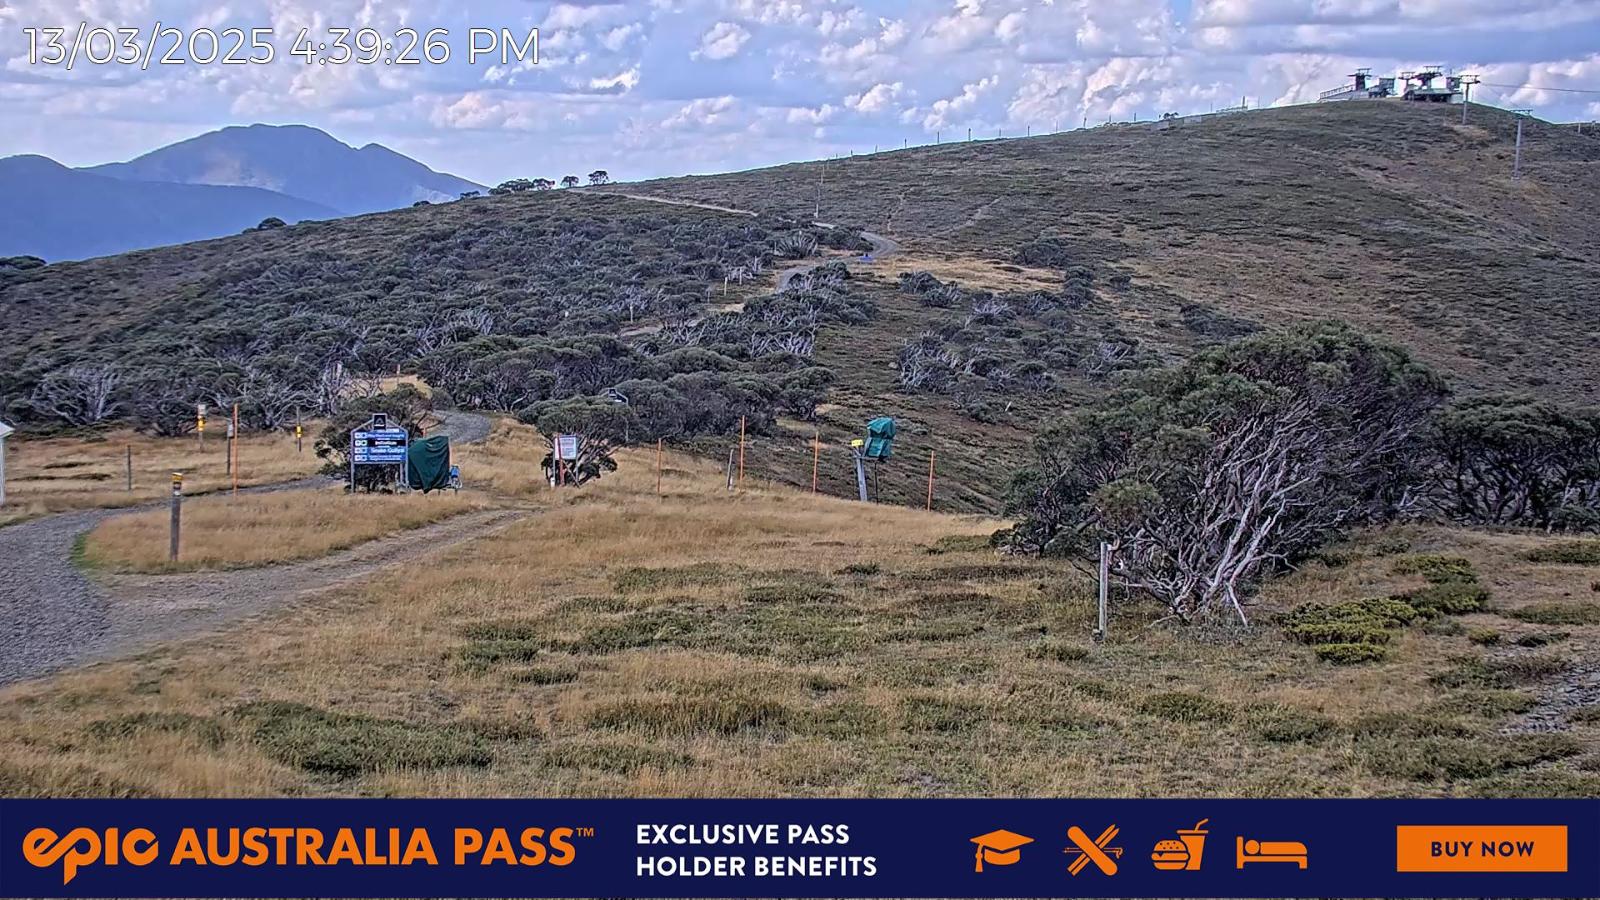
pixel 382 446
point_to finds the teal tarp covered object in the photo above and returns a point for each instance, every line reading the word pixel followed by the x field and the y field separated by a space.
pixel 428 463
pixel 880 438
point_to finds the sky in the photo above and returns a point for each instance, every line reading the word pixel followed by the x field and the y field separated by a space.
pixel 666 87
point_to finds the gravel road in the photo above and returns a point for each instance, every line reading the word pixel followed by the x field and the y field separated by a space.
pixel 52 616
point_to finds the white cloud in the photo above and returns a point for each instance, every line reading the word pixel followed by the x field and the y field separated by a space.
pixel 721 41
pixel 947 111
pixel 702 113
pixel 875 100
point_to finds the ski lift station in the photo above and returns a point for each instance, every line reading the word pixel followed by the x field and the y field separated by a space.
pixel 1429 84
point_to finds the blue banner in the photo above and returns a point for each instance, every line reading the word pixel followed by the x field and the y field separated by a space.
pixel 800 848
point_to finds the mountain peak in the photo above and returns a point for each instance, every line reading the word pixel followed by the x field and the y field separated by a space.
pixel 301 161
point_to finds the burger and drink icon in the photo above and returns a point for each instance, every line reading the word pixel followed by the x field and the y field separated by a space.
pixel 1183 854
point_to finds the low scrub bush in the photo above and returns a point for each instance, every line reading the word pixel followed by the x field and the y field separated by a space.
pixel 1284 724
pixel 1570 553
pixel 690 716
pixel 1451 598
pixel 1551 613
pixel 1484 636
pixel 1183 706
pixel 1437 569
pixel 343 745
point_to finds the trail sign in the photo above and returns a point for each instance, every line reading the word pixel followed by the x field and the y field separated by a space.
pixel 376 444
pixel 385 447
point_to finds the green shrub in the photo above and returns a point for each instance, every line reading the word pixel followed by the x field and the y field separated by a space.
pixel 1504 672
pixel 1447 599
pixel 1436 568
pixel 344 745
pixel 690 716
pixel 1571 553
pixel 1383 612
pixel 1340 633
pixel 1408 726
pixel 1284 724
pixel 1183 706
pixel 960 543
pixel 1489 703
pixel 1552 613
pixel 863 569
pixel 1484 636
pixel 1350 654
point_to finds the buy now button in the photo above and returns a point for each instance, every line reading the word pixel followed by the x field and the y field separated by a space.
pixel 1481 848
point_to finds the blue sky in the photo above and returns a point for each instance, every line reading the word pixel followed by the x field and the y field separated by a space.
pixel 664 87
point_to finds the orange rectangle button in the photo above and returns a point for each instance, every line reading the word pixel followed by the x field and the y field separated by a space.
pixel 1481 848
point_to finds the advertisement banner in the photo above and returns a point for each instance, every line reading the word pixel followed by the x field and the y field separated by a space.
pixel 799 848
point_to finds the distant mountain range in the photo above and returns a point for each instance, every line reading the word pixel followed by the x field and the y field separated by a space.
pixel 216 184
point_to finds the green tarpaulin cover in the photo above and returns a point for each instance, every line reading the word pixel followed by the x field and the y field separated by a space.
pixel 428 463
pixel 880 438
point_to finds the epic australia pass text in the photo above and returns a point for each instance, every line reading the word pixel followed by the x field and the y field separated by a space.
pixel 706 839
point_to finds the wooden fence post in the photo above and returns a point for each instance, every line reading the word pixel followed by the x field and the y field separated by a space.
pixel 930 480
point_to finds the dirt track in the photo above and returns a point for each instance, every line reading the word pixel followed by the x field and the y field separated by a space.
pixel 52 616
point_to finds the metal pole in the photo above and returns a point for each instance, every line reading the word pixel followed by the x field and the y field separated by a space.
pixel 1516 161
pixel 235 467
pixel 930 480
pixel 816 457
pixel 741 451
pixel 1105 579
pixel 658 465
pixel 2 465
pixel 861 475
pixel 177 516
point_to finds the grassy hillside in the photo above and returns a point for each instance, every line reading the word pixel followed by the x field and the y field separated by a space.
pixel 1393 216
pixel 1055 265
pixel 773 644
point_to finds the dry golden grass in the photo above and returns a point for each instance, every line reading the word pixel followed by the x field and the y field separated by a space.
pixel 771 643
pixel 975 272
pixel 223 531
pixel 58 474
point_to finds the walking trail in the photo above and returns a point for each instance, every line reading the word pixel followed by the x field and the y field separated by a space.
pixel 53 616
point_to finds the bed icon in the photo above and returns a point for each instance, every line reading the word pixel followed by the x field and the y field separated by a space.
pixel 1253 851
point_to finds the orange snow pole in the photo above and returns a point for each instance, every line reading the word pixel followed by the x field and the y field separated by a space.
pixel 930 479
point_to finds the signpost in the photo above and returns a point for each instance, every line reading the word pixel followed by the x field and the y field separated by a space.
pixel 200 422
pixel 565 451
pixel 377 444
pixel 5 430
pixel 177 516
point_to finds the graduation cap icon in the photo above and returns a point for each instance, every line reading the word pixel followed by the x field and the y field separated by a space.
pixel 999 848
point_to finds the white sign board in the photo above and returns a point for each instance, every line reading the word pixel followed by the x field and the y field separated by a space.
pixel 4 431
pixel 567 447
